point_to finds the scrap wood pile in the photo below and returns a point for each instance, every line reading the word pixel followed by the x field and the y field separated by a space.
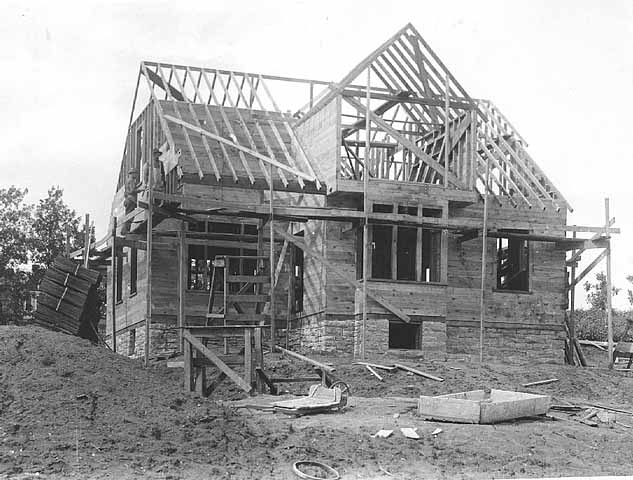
pixel 593 415
pixel 67 299
pixel 373 367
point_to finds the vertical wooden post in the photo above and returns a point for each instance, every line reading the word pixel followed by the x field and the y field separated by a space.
pixel 148 259
pixel 484 249
pixel 248 355
pixel 259 359
pixel 366 212
pixel 114 286
pixel 271 310
pixel 87 241
pixel 311 94
pixel 291 292
pixel 67 251
pixel 572 308
pixel 472 150
pixel 446 136
pixel 182 265
pixel 188 364
pixel 200 377
pixel 609 287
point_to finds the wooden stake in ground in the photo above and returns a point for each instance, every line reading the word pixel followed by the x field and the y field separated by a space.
pixel 114 285
pixel 484 248
pixel 366 212
pixel 609 289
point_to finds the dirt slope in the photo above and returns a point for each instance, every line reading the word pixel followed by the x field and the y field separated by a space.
pixel 69 409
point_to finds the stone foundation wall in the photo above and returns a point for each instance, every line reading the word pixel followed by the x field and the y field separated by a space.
pixel 376 335
pixel 508 345
pixel 434 339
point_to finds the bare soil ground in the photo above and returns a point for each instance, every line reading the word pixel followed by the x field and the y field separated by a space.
pixel 69 409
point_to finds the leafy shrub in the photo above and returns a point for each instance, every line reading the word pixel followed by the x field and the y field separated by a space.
pixel 592 325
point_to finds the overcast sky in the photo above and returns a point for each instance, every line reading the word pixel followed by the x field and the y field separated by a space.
pixel 561 71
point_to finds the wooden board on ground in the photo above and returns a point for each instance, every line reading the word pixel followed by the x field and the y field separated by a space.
pixel 479 406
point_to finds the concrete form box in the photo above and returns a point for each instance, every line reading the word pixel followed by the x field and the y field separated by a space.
pixel 479 406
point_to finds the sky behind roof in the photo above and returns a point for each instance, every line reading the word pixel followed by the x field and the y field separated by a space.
pixel 561 71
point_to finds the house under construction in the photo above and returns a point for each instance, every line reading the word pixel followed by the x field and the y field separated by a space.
pixel 390 210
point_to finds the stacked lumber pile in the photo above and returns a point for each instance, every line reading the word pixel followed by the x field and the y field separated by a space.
pixel 67 299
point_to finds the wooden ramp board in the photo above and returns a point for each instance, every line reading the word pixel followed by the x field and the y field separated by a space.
pixel 478 406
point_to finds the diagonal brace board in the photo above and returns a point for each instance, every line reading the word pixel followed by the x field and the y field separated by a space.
pixel 258 155
pixel 405 141
pixel 224 368
pixel 353 282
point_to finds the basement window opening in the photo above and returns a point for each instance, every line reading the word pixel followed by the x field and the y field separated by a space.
pixel 404 336
pixel 513 255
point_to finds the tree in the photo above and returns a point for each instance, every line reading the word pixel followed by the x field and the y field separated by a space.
pixel 30 239
pixel 597 292
pixel 15 229
pixel 15 246
pixel 52 217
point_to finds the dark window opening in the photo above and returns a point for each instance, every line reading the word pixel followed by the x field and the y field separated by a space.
pixel 381 245
pixel 381 251
pixel 406 245
pixel 404 335
pixel 217 227
pixel 250 229
pixel 431 255
pixel 197 226
pixel 118 265
pixel 513 264
pixel 133 269
pixel 197 274
pixel 297 281
pixel 432 212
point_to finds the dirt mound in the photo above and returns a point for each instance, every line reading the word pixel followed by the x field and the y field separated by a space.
pixel 70 408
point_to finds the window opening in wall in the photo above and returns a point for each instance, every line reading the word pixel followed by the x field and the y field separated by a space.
pixel 119 278
pixel 431 255
pixel 403 252
pixel 404 335
pixel 133 270
pixel 406 245
pixel 297 273
pixel 381 245
pixel 432 212
pixel 513 263
pixel 200 266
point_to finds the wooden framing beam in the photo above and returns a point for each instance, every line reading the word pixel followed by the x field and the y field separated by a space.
pixel 224 368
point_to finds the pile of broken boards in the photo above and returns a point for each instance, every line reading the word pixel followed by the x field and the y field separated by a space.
pixel 594 415
pixel 67 299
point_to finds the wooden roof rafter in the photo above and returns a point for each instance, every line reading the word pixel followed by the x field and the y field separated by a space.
pixel 195 91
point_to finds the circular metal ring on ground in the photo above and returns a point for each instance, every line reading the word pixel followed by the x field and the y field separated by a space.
pixel 332 474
